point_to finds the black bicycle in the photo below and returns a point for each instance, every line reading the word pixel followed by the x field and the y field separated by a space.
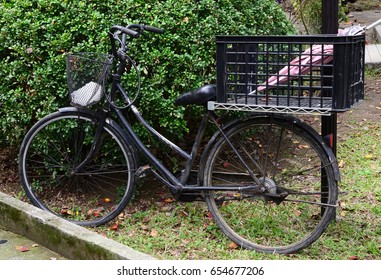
pixel 269 180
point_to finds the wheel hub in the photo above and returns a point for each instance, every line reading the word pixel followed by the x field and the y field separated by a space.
pixel 268 184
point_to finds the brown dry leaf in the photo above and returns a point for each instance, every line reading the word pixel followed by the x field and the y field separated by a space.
pixel 115 226
pixel 232 246
pixel 166 208
pixel 146 219
pixel 353 258
pixel 22 249
pixel 154 233
pixel 144 227
pixel 184 214
pixel 303 147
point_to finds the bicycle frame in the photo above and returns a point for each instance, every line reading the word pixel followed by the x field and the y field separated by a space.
pixel 176 185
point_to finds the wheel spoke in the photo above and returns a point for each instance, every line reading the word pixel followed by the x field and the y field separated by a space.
pixel 51 152
pixel 284 215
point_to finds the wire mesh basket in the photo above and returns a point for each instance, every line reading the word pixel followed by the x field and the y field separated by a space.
pixel 86 74
pixel 290 74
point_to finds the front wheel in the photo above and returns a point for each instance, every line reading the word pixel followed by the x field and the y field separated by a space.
pixel 289 185
pixel 63 172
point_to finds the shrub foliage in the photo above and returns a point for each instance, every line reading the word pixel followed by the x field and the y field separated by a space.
pixel 36 34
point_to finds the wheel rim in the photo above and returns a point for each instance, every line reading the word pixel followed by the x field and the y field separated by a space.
pixel 90 196
pixel 289 166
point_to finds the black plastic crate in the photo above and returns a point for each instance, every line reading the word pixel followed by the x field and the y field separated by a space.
pixel 296 74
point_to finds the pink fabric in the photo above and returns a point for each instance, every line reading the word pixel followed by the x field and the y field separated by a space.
pixel 317 55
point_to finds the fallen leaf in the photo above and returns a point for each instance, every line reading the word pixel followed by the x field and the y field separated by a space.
pixel 107 200
pixel 225 164
pixel 353 258
pixel 146 219
pixel 368 156
pixel 22 248
pixel 184 214
pixel 341 163
pixel 232 246
pixel 154 233
pixel 115 226
pixel 144 227
pixel 169 200
pixel 166 208
pixel 303 147
pixel 35 245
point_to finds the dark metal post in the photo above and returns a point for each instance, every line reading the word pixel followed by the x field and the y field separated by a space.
pixel 330 20
pixel 330 25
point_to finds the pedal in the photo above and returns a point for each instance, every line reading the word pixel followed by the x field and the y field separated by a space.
pixel 142 171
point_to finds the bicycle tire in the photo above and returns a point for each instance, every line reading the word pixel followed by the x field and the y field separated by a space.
pixel 52 150
pixel 287 157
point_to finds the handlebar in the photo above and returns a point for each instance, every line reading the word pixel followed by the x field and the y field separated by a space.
pixel 134 30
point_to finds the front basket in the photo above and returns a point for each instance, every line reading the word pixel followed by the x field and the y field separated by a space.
pixel 86 74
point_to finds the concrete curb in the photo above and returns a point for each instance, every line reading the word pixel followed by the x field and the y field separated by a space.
pixel 65 238
pixel 377 31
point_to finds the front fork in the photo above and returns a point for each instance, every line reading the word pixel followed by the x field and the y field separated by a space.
pixel 96 143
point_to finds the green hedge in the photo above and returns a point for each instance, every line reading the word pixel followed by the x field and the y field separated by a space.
pixel 34 36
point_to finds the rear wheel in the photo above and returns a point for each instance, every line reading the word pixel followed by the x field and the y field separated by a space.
pixel 52 176
pixel 291 190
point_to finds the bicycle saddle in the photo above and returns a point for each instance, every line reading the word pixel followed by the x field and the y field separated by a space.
pixel 197 96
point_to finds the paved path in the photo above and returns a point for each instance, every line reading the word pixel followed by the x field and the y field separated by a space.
pixel 17 247
pixel 365 18
pixel 373 55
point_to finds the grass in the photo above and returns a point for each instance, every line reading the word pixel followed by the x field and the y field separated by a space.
pixel 157 225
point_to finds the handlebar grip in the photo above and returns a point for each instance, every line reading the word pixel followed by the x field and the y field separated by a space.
pixel 153 29
pixel 130 32
pixel 126 31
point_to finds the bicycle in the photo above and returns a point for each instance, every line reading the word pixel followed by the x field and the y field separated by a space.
pixel 269 180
